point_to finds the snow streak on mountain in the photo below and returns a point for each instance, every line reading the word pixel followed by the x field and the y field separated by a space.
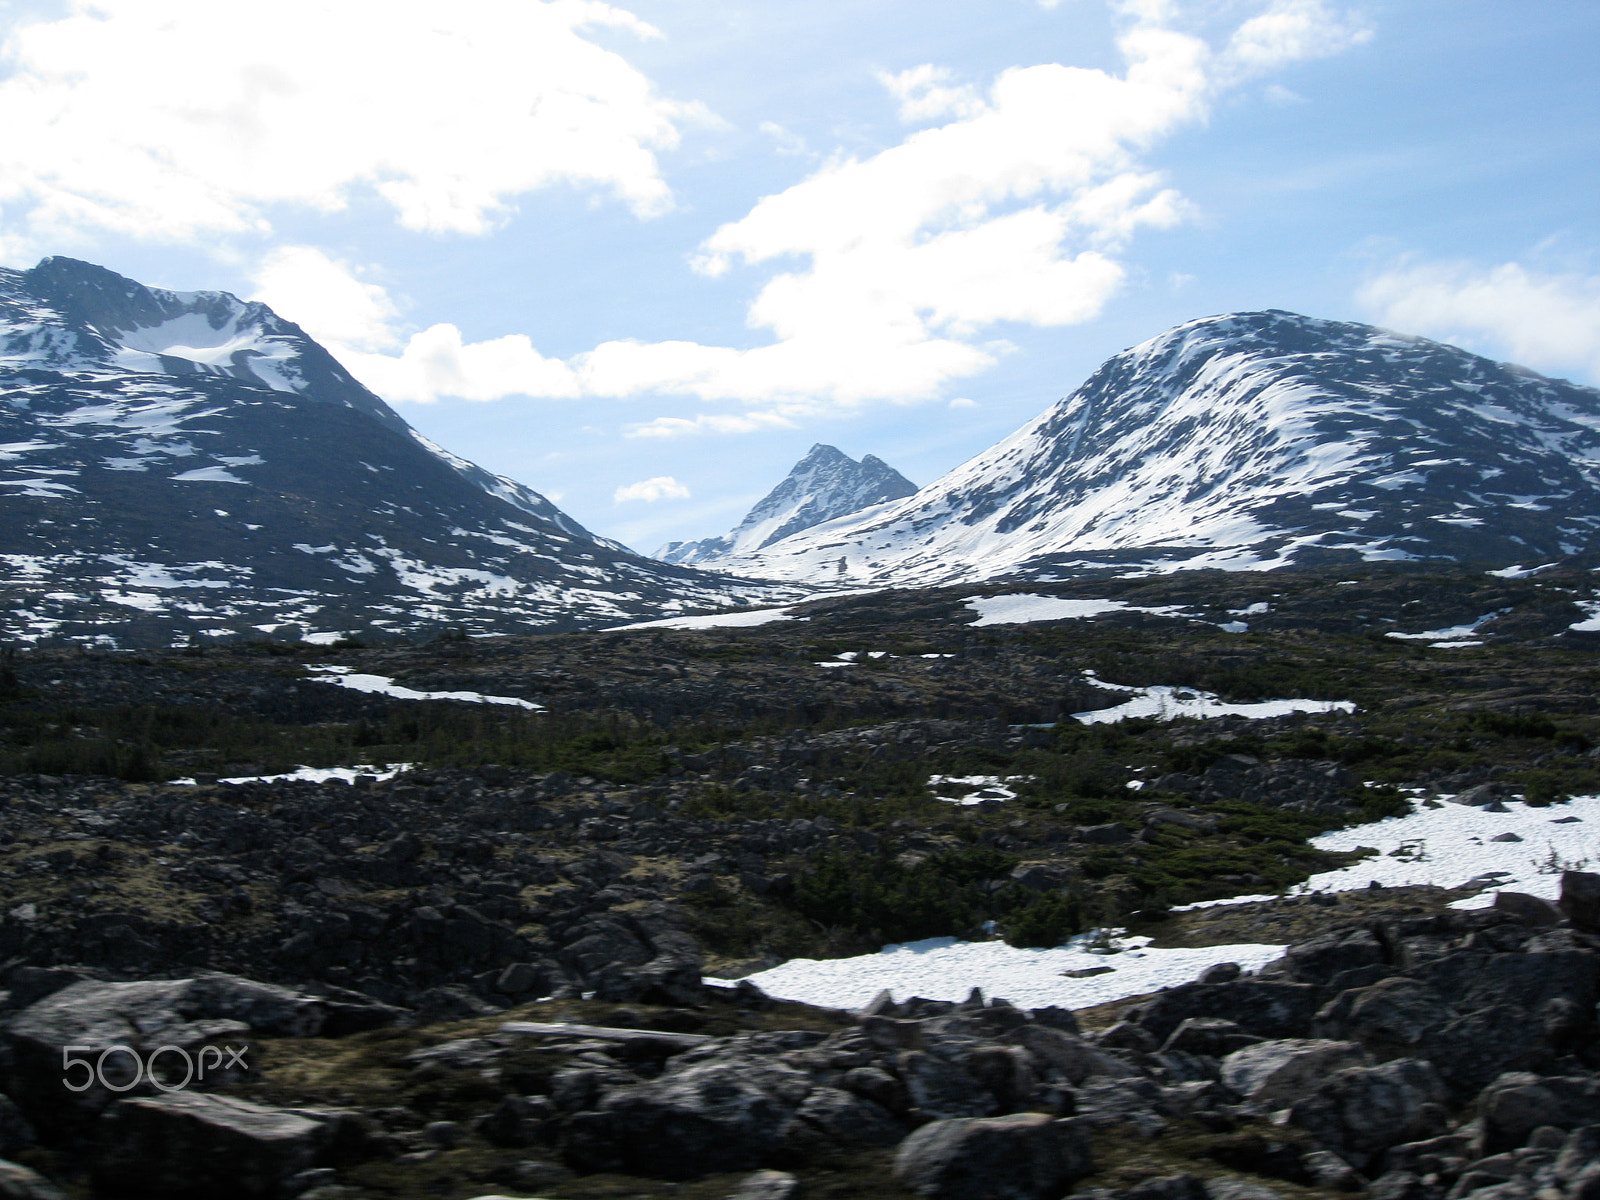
pixel 1245 442
pixel 179 465
pixel 825 484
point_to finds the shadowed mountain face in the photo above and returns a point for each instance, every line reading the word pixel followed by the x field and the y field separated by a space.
pixel 178 465
pixel 1246 442
pixel 825 484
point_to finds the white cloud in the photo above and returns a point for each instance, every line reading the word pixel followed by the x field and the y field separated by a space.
pixel 963 402
pixel 889 273
pixel 324 297
pixel 925 94
pixel 673 427
pixel 183 118
pixel 436 362
pixel 1547 321
pixel 1291 31
pixel 662 487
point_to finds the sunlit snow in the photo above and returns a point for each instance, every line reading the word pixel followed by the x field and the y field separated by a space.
pixel 318 774
pixel 1021 608
pixel 728 620
pixel 382 685
pixel 947 969
pixel 1170 703
pixel 1450 846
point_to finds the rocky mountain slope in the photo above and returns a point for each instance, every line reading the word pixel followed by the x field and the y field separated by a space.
pixel 178 465
pixel 825 484
pixel 1245 442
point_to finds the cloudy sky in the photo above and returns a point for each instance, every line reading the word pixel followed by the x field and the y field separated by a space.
pixel 641 256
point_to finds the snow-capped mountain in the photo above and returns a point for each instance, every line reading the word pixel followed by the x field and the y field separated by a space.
pixel 825 484
pixel 1246 441
pixel 184 464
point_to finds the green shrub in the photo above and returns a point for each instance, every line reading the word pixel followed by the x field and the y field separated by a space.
pixel 1048 921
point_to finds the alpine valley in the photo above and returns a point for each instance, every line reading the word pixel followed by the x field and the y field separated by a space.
pixel 1038 862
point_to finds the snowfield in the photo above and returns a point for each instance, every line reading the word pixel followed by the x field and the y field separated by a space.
pixel 382 685
pixel 1449 846
pixel 1170 703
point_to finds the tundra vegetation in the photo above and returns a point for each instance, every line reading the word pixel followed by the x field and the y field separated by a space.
pixel 717 800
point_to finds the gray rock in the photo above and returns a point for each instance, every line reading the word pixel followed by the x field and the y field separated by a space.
pixel 942 1090
pixel 1362 1111
pixel 534 1175
pixel 1026 1156
pixel 1215 1037
pixel 18 1182
pixel 1472 1051
pixel 1389 1018
pixel 849 1120
pixel 1279 1073
pixel 1328 1170
pixel 1265 1008
pixel 142 1015
pixel 714 1116
pixel 1167 1187
pixel 192 1144
pixel 1527 909
pixel 1227 1187
pixel 1514 1105
pixel 1320 959
pixel 1070 1056
pixel 767 1185
pixel 1397 1185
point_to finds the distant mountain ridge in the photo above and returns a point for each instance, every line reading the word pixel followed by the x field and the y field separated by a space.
pixel 177 465
pixel 1245 441
pixel 825 484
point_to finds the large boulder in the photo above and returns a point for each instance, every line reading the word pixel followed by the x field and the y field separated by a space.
pixel 18 1182
pixel 190 1144
pixel 940 1090
pixel 1026 1156
pixel 1390 1018
pixel 1321 959
pixel 1054 1050
pixel 144 1016
pixel 1265 1008
pixel 1362 1111
pixel 1514 1105
pixel 1279 1073
pixel 713 1116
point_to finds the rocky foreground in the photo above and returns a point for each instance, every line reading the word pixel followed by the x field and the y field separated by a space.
pixel 1425 1058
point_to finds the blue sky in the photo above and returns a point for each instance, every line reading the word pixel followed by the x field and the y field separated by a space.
pixel 641 256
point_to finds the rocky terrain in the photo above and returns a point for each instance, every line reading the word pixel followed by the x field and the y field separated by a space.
pixel 483 974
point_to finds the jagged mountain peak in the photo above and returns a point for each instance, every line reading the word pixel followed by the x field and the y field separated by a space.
pixel 1246 440
pixel 826 483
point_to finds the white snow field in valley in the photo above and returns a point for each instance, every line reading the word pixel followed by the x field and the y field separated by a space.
pixel 947 969
pixel 1450 846
pixel 382 685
